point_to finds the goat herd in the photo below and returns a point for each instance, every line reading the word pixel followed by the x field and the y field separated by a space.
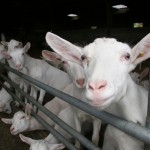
pixel 100 74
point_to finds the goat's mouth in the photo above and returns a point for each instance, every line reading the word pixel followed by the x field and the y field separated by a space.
pixel 97 103
pixel 19 69
pixel 14 132
pixel 101 103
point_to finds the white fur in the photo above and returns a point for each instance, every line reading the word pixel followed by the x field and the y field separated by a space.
pixel 77 74
pixel 107 64
pixel 40 144
pixel 5 99
pixel 115 139
pixel 75 71
pixel 22 122
pixel 67 115
pixel 55 106
pixel 10 46
pixel 37 69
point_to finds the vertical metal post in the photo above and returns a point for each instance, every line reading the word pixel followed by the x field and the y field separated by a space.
pixel 147 147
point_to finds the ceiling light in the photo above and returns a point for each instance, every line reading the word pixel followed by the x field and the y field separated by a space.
pixel 93 27
pixel 120 6
pixel 72 15
pixel 138 25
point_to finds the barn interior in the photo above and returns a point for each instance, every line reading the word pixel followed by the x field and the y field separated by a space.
pixel 79 22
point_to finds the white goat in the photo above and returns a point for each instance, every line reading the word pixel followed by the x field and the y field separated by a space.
pixel 74 71
pixel 22 122
pixel 11 46
pixel 106 62
pixel 67 116
pixel 38 69
pixel 40 144
pixel 70 68
pixel 78 77
pixel 5 99
pixel 115 139
pixel 55 105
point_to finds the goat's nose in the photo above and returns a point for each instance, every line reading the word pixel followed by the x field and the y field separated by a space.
pixel 80 82
pixel 18 65
pixel 11 129
pixel 97 85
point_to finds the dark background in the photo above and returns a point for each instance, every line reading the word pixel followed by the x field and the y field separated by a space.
pixel 29 20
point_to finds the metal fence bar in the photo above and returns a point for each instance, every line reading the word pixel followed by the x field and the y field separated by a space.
pixel 11 93
pixel 133 129
pixel 147 147
pixel 59 136
pixel 130 128
pixel 43 122
pixel 87 143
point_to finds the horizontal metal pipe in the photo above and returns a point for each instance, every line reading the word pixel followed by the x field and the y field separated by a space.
pixel 54 132
pixel 43 122
pixel 12 94
pixel 133 129
pixel 66 127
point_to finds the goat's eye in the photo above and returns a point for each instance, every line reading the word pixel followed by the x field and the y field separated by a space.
pixel 22 117
pixel 83 57
pixel 127 56
pixel 9 57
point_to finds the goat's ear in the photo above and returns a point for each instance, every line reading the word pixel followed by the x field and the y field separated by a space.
pixel 66 49
pixel 7 108
pixel 51 56
pixel 5 55
pixel 27 47
pixel 144 73
pixel 56 146
pixel 28 117
pixel 140 52
pixel 7 121
pixel 20 44
pixel 28 109
pixel 4 43
pixel 26 139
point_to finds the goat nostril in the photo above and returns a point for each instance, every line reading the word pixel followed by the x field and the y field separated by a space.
pixel 18 65
pixel 80 82
pixel 97 85
pixel 11 129
pixel 101 86
pixel 90 87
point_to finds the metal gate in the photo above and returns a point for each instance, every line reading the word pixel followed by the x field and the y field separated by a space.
pixel 133 129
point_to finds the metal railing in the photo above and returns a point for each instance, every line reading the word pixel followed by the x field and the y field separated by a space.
pixel 133 129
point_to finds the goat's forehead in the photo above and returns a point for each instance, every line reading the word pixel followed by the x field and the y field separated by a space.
pixel 75 66
pixel 40 144
pixel 13 42
pixel 2 47
pixel 17 114
pixel 16 52
pixel 106 46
